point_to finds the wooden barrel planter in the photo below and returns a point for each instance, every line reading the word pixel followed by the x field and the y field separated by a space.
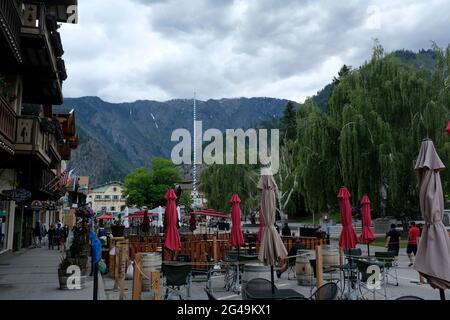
pixel 64 279
pixel 303 269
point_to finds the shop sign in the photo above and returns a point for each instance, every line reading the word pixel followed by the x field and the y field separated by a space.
pixel 36 205
pixel 17 195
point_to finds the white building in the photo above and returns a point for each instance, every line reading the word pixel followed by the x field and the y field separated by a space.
pixel 107 198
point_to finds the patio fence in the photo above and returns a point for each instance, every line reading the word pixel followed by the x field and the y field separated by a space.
pixel 198 247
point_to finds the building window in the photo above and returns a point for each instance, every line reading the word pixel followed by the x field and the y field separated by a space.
pixel 114 189
pixel 98 197
pixel 113 208
pixel 116 197
pixel 107 196
pixel 103 208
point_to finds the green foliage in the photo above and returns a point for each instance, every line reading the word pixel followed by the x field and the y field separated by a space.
pixel 289 127
pixel 186 200
pixel 80 244
pixel 144 187
pixel 378 116
pixel 219 182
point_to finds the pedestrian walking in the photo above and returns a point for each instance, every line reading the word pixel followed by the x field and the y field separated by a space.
pixel 393 240
pixel 51 234
pixel 43 233
pixel 37 237
pixel 60 241
pixel 66 235
pixel 411 249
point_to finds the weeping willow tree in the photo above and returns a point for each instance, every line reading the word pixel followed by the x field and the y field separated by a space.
pixel 318 168
pixel 220 181
pixel 381 112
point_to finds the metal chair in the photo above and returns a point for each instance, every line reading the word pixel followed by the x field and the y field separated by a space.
pixel 291 268
pixel 258 285
pixel 177 276
pixel 363 277
pixel 389 261
pixel 231 271
pixel 328 291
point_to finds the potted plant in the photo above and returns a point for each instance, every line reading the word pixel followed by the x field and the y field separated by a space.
pixel 118 229
pixel 78 253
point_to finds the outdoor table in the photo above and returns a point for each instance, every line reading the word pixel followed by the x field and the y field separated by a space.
pixel 279 294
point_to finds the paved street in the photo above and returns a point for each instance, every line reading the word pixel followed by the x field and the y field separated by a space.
pixel 33 275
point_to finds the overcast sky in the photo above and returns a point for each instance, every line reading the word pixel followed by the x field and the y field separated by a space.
pixel 126 50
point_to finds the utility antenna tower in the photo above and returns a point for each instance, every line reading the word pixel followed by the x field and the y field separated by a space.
pixel 195 199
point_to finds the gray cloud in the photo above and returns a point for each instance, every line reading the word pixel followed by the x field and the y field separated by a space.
pixel 124 50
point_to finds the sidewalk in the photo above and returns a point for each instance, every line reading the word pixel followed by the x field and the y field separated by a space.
pixel 32 274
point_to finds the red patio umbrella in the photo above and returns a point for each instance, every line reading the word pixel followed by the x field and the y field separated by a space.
pixel 172 238
pixel 367 235
pixel 347 239
pixel 104 217
pixel 192 223
pixel 236 237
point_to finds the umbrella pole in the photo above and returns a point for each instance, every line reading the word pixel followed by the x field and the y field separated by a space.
pixel 272 279
pixel 368 249
pixel 442 294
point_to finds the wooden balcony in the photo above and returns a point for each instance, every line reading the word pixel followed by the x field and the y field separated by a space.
pixel 10 23
pixel 41 48
pixel 7 126
pixel 31 139
pixel 41 182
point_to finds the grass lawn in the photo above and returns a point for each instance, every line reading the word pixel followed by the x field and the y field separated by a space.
pixel 381 241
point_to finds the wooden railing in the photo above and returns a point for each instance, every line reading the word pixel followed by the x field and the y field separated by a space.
pixel 7 124
pixel 198 248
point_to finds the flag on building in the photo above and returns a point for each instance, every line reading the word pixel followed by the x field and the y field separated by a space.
pixel 63 179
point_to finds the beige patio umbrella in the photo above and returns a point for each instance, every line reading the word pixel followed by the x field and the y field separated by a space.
pixel 433 254
pixel 272 247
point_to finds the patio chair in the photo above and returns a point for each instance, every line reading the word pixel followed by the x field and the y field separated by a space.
pixel 409 298
pixel 257 285
pixel 291 268
pixel 352 255
pixel 177 276
pixel 390 264
pixel 328 291
pixel 363 277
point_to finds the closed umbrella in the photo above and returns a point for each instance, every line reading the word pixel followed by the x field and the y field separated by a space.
pixel 433 254
pixel 236 237
pixel 367 235
pixel 192 223
pixel 347 239
pixel 146 222
pixel 172 238
pixel 272 247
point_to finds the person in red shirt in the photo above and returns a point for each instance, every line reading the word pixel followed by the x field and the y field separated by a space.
pixel 411 249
